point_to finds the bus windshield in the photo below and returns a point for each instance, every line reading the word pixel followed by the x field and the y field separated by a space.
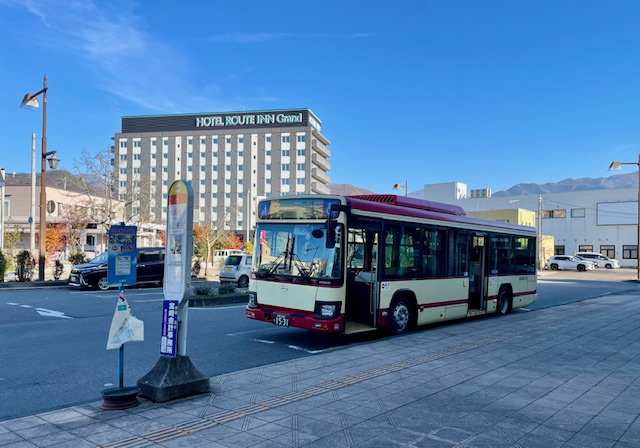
pixel 298 251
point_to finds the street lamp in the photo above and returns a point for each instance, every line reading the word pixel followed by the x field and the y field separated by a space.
pixel 405 186
pixel 30 101
pixel 614 167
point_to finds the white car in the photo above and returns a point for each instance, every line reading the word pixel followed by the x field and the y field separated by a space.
pixel 236 269
pixel 600 260
pixel 567 262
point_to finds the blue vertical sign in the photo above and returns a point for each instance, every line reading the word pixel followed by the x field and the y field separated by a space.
pixel 169 340
pixel 123 256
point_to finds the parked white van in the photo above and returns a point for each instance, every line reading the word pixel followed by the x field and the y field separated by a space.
pixel 600 260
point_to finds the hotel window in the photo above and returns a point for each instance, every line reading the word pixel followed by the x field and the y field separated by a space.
pixel 203 168
pixel 214 195
pixel 203 141
pixel 227 181
pixel 165 156
pixel 240 140
pixel 267 181
pixel 268 153
pixel 190 169
pixel 286 139
pixel 165 182
pixel 285 181
pixel 215 167
pixel 240 153
pixel 227 167
pixel 214 209
pixel 190 155
pixel 239 167
pixel 228 141
pixel 215 141
pixel 239 181
pixel 214 182
pixel 122 157
pixel 285 153
pixel 300 138
pixel 201 195
pixel 300 181
pixel 630 252
pixel 136 170
pixel 285 167
pixel 227 195
pixel 227 154
pixel 123 144
pixel 153 169
pixel 122 171
pixel 215 153
pixel 578 213
pixel 189 141
pixel 268 139
pixel 153 155
pixel 136 143
pixel 165 142
pixel 136 157
pixel 165 169
pixel 300 152
pixel 123 183
pixel 300 167
pixel 203 155
pixel 153 143
pixel 202 182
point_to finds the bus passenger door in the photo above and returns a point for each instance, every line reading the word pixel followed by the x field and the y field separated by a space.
pixel 477 261
pixel 361 306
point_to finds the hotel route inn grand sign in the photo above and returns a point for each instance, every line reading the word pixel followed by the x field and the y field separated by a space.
pixel 248 119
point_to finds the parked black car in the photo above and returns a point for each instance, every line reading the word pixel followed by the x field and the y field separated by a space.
pixel 150 269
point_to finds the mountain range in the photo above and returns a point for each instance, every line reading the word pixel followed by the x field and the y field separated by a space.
pixel 617 181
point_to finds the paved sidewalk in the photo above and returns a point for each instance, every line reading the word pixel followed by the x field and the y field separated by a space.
pixel 567 376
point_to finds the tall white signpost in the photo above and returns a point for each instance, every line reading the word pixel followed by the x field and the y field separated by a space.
pixel 174 375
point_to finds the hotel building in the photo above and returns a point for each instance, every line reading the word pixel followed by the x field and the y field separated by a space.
pixel 232 159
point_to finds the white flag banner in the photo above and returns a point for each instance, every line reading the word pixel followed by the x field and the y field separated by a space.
pixel 124 326
pixel 131 331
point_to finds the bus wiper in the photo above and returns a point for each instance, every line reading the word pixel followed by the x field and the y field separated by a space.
pixel 282 257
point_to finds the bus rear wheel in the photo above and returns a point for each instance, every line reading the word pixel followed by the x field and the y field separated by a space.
pixel 504 302
pixel 401 316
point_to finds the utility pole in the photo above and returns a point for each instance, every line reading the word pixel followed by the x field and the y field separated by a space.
pixel 540 254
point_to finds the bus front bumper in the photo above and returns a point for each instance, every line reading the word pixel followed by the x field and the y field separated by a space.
pixel 287 318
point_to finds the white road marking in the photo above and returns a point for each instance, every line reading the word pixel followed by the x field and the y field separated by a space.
pixel 13 303
pixel 262 341
pixel 312 352
pixel 50 313
pixel 25 306
pixel 252 331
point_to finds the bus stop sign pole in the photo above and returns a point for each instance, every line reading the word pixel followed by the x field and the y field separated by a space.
pixel 174 375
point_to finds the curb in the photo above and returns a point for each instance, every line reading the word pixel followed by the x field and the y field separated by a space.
pixel 33 284
pixel 202 302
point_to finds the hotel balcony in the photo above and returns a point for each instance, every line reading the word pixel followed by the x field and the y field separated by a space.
pixel 320 175
pixel 321 161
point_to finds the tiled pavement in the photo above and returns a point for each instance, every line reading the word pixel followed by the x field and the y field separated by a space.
pixel 566 376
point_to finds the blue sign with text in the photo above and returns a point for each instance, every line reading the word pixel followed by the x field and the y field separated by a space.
pixel 123 256
pixel 169 340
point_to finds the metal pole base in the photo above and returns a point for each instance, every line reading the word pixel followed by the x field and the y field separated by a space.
pixel 119 398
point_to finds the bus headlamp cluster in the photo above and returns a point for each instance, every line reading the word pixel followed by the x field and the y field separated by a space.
pixel 327 310
pixel 253 300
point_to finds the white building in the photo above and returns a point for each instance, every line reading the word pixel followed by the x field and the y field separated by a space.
pixel 604 221
pixel 232 159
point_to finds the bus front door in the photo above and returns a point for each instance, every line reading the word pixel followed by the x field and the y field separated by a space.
pixel 476 273
pixel 361 307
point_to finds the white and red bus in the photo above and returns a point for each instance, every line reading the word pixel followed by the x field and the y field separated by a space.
pixel 347 264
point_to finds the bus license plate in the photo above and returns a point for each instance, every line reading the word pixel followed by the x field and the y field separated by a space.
pixel 281 319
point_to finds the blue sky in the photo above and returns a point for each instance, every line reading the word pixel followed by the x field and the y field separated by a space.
pixel 490 93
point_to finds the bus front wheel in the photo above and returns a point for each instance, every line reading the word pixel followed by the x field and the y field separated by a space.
pixel 400 316
pixel 504 302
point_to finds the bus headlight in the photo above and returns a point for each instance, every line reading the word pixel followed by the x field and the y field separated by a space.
pixel 327 310
pixel 253 300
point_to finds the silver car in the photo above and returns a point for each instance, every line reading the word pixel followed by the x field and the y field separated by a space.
pixel 236 269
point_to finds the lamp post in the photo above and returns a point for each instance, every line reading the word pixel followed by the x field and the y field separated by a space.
pixel 614 167
pixel 405 186
pixel 30 100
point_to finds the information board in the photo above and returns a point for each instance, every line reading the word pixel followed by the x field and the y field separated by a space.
pixel 169 340
pixel 123 254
